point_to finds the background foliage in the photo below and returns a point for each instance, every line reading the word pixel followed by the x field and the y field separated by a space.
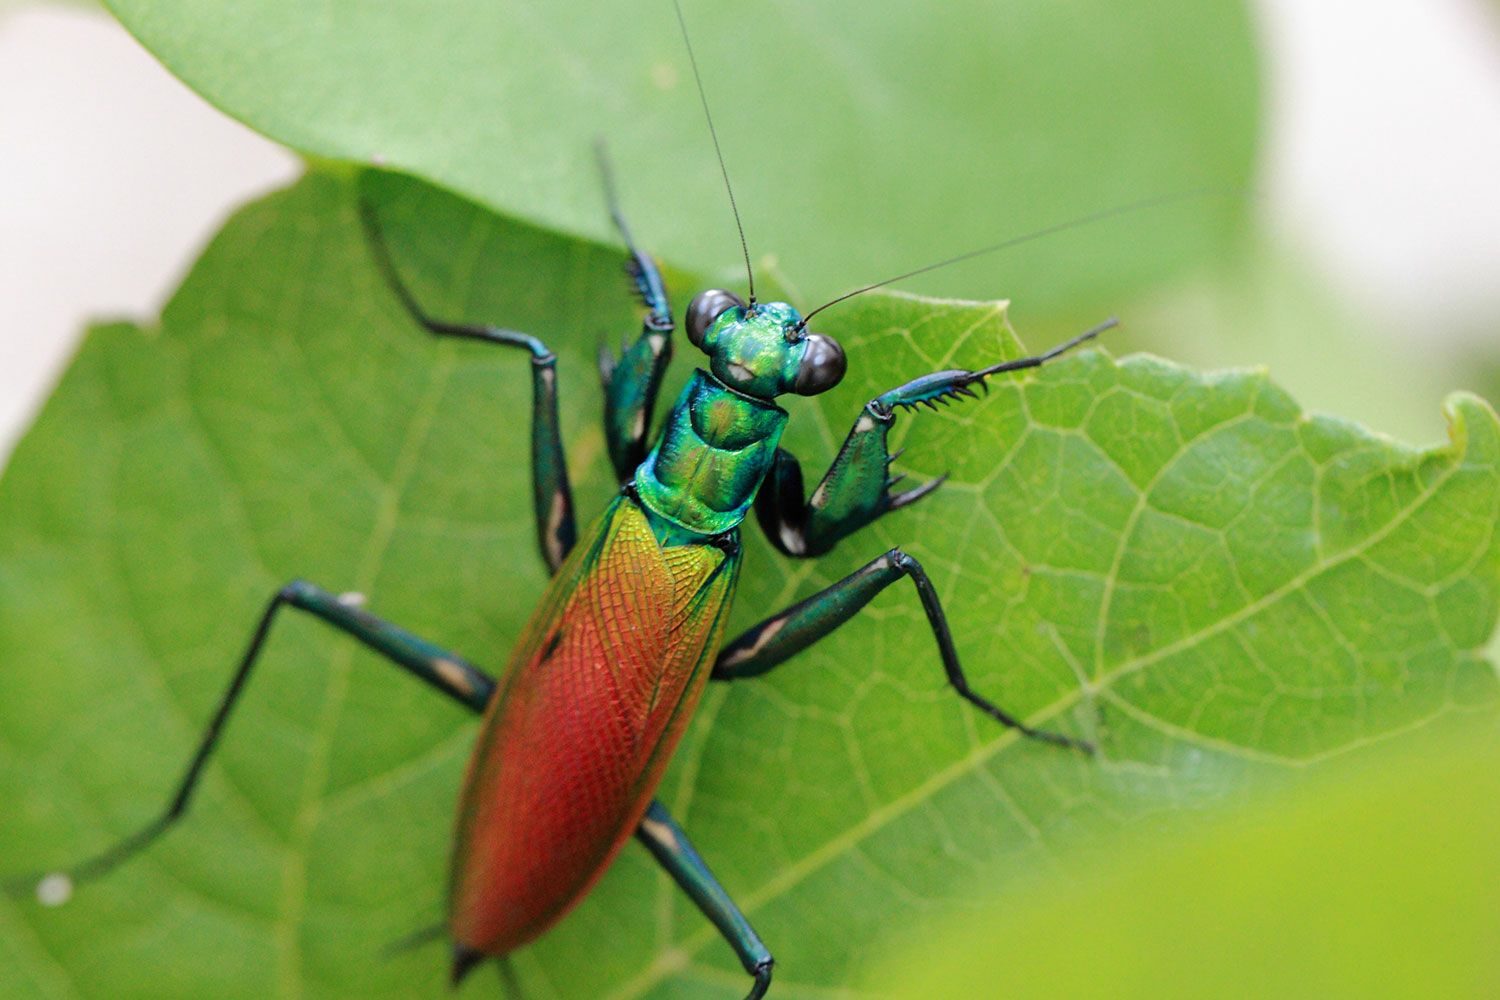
pixel 862 142
pixel 1222 591
pixel 1369 879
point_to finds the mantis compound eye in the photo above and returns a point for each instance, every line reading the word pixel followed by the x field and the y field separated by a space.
pixel 704 309
pixel 822 367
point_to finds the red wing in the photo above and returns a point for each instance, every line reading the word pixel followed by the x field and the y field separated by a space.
pixel 587 715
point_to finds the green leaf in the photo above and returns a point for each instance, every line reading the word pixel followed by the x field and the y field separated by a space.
pixel 1214 586
pixel 1273 306
pixel 1375 880
pixel 864 140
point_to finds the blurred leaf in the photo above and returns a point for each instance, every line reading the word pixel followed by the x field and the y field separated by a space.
pixel 1183 567
pixel 1271 306
pixel 1375 880
pixel 864 139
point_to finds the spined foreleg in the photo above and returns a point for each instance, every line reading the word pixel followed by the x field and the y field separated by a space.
pixel 857 487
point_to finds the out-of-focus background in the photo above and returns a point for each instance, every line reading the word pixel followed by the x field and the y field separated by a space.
pixel 1381 210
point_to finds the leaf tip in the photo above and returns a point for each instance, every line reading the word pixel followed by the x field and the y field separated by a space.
pixel 1473 427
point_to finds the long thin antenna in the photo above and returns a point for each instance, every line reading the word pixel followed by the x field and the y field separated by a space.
pixel 714 134
pixel 1083 220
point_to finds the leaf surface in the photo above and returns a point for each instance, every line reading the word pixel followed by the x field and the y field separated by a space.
pixel 1216 587
pixel 1258 901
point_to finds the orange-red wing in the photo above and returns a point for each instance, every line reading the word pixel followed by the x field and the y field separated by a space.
pixel 586 716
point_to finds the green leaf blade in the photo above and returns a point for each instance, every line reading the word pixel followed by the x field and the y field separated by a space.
pixel 1370 880
pixel 862 141
pixel 1126 550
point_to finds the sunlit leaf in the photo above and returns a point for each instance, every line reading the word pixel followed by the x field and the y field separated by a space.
pixel 1183 567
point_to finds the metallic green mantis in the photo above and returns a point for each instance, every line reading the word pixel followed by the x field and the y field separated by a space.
pixel 600 685
pixel 669 541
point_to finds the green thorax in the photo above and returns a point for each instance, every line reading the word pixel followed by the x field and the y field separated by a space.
pixel 714 451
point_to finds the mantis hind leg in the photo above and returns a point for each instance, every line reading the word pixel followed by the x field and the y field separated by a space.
pixel 552 497
pixel 450 674
pixel 669 844
pixel 782 636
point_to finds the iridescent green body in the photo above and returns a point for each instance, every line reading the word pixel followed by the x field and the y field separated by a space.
pixel 719 441
pixel 605 676
pixel 714 452
pixel 602 682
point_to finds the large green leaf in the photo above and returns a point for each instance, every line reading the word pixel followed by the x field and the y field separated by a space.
pixel 1274 306
pixel 863 139
pixel 1186 568
pixel 1375 880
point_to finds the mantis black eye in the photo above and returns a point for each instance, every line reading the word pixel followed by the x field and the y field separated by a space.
pixel 822 367
pixel 705 308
